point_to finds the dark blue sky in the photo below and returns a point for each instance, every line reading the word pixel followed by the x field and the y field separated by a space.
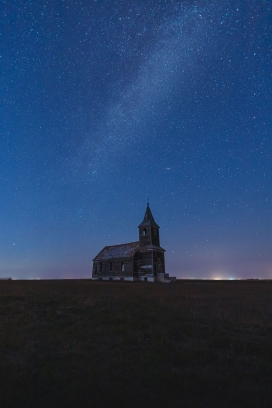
pixel 105 102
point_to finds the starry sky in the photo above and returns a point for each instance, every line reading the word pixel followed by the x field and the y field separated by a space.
pixel 106 102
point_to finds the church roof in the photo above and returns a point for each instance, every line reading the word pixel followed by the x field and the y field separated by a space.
pixel 118 251
pixel 148 219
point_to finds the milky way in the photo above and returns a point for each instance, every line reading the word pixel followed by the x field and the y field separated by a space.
pixel 183 36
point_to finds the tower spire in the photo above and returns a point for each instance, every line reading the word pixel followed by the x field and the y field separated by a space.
pixel 149 229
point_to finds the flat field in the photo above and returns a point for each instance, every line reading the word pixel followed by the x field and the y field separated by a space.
pixel 78 343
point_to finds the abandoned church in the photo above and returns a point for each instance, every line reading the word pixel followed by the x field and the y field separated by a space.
pixel 141 260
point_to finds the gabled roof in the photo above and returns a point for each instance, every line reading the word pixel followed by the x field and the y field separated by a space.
pixel 148 219
pixel 118 251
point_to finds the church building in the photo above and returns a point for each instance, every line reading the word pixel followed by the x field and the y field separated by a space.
pixel 141 260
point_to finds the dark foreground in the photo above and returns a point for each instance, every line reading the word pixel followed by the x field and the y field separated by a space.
pixel 97 344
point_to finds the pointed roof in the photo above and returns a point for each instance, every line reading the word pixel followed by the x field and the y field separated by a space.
pixel 148 219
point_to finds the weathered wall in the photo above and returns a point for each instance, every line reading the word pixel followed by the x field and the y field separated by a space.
pixel 144 263
pixel 149 262
pixel 113 268
pixel 159 262
pixel 152 235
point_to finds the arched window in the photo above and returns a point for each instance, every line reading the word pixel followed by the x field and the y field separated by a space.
pixel 144 231
pixel 122 266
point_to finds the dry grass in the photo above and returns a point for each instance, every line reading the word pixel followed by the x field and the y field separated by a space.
pixel 97 344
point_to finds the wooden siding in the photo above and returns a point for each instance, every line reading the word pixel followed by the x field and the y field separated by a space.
pixel 145 239
pixel 144 261
pixel 115 270
pixel 152 236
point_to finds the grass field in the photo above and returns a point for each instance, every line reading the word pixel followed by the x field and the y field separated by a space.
pixel 79 343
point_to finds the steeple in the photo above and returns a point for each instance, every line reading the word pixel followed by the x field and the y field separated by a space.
pixel 149 230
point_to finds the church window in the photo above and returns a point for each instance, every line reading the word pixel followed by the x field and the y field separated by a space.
pixel 110 266
pixel 144 231
pixel 122 266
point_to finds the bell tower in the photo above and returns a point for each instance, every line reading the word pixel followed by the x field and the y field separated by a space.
pixel 149 233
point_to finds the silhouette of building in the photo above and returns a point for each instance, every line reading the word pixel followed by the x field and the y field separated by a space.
pixel 141 260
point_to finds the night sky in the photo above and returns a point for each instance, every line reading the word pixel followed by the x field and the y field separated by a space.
pixel 106 102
